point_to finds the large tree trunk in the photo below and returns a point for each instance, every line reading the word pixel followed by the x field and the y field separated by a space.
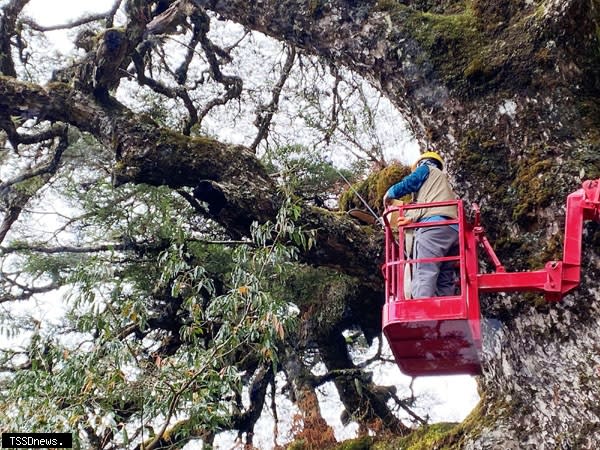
pixel 509 93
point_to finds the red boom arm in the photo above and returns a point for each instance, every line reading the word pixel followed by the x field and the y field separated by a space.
pixel 557 278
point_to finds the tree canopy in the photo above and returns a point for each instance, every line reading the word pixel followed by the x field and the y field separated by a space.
pixel 204 267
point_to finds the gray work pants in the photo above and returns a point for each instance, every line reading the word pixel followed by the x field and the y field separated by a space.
pixel 434 279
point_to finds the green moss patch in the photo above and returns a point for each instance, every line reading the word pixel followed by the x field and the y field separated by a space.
pixel 424 438
pixel 373 188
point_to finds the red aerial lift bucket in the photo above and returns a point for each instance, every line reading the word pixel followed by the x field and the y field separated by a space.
pixel 442 335
pixel 436 335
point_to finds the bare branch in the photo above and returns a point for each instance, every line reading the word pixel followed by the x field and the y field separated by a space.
pixel 8 29
pixel 28 291
pixel 182 70
pixel 7 361
pixel 15 200
pixel 12 135
pixel 161 88
pixel 52 132
pixel 42 169
pixel 233 84
pixel 274 411
pixel 108 16
pixel 334 374
pixel 194 203
pixel 64 249
pixel 16 139
pixel 11 217
pixel 403 404
pixel 265 112
pixel 335 104
pixel 376 357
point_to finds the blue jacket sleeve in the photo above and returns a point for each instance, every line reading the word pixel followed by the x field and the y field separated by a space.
pixel 410 183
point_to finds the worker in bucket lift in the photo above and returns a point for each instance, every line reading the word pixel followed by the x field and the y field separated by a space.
pixel 427 183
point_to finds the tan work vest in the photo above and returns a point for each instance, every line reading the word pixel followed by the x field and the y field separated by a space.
pixel 435 189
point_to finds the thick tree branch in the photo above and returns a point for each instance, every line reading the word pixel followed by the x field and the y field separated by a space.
pixel 304 396
pixel 246 421
pixel 230 179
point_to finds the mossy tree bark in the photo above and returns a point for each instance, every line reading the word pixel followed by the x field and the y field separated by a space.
pixel 507 91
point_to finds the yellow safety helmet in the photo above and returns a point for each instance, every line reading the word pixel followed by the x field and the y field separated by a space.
pixel 428 155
